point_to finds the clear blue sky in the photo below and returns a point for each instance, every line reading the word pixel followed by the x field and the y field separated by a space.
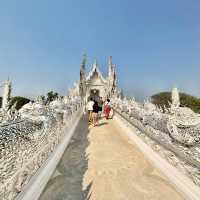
pixel 154 43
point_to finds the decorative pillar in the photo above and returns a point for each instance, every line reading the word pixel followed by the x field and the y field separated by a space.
pixel 6 94
pixel 175 100
pixel 82 83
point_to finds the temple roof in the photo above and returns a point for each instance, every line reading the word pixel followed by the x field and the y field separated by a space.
pixel 94 70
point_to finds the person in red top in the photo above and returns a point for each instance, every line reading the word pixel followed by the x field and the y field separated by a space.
pixel 107 108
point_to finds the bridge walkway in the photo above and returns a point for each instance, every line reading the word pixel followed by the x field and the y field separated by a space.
pixel 101 163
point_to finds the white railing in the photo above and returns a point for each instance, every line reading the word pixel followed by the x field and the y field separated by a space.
pixel 182 149
pixel 26 146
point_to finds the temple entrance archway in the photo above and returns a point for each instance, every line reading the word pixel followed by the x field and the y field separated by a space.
pixel 94 94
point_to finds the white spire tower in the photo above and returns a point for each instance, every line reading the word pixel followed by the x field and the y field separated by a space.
pixel 82 83
pixel 175 98
pixel 110 67
pixel 95 65
pixel 6 94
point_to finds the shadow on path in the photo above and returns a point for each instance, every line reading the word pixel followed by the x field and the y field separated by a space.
pixel 66 182
pixel 102 123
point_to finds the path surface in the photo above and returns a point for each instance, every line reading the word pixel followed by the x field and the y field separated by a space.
pixel 103 164
pixel 66 183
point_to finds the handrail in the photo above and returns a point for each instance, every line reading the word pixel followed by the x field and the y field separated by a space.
pixel 182 183
pixel 167 146
pixel 38 181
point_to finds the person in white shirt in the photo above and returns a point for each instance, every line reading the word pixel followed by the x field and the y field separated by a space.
pixel 90 109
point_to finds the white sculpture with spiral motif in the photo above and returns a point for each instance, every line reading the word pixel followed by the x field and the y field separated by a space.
pixel 175 99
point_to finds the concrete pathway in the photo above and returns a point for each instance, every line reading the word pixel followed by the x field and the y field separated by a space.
pixel 119 171
pixel 101 163
pixel 66 183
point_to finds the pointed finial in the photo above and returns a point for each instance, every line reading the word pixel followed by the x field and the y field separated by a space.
pixel 84 58
pixel 110 66
pixel 83 63
pixel 110 61
pixel 95 64
pixel 8 81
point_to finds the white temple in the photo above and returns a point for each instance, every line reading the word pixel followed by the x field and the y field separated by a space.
pixel 94 85
pixel 34 138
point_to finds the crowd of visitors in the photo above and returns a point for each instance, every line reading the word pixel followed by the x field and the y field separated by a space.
pixel 98 109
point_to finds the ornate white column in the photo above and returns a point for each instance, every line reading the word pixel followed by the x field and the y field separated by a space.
pixel 6 94
pixel 175 99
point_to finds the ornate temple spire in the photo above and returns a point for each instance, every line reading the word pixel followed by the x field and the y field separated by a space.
pixel 82 83
pixel 110 61
pixel 83 63
pixel 115 75
pixel 110 66
pixel 95 65
pixel 112 77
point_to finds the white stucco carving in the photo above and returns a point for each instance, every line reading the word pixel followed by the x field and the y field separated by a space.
pixel 178 129
pixel 26 143
pixel 175 100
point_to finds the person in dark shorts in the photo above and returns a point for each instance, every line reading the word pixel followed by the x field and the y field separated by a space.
pixel 95 113
pixel 100 103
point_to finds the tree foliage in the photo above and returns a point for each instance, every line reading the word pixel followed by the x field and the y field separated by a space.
pixel 162 99
pixel 19 101
pixel 51 96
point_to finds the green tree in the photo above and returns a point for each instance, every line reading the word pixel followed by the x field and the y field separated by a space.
pixel 51 96
pixel 19 101
pixel 43 97
pixel 162 99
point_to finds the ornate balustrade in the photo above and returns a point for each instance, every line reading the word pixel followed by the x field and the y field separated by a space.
pixel 175 136
pixel 26 144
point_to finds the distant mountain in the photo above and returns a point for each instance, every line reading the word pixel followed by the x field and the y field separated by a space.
pixel 0 102
pixel 186 100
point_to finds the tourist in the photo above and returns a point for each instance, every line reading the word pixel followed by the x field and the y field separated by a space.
pixel 90 109
pixel 107 108
pixel 95 113
pixel 100 103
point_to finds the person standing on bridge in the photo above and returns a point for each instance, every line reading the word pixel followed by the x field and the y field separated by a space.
pixel 95 113
pixel 90 109
pixel 100 103
pixel 107 108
